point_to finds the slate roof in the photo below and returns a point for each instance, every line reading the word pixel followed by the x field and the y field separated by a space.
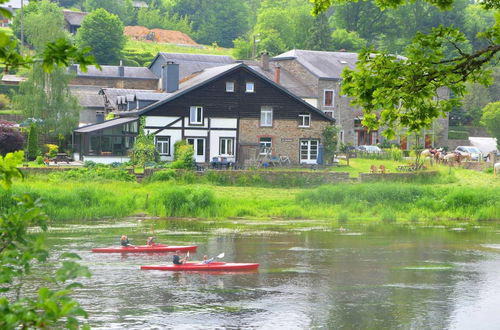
pixel 120 96
pixel 88 96
pixel 105 124
pixel 324 65
pixel 210 74
pixel 189 63
pixel 111 71
pixel 74 17
pixel 288 81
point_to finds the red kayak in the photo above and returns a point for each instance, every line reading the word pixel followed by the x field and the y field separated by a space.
pixel 190 266
pixel 145 248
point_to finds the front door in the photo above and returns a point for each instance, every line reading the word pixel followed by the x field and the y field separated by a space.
pixel 199 149
pixel 309 151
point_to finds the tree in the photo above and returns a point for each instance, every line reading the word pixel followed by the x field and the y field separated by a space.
pixel 124 9
pixel 33 150
pixel 104 33
pixel 144 149
pixel 46 96
pixel 20 250
pixel 349 41
pixel 10 139
pixel 396 91
pixel 320 34
pixel 330 142
pixel 43 23
pixel 491 120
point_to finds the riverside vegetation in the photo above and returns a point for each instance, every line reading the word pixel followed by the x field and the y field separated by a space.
pixel 452 195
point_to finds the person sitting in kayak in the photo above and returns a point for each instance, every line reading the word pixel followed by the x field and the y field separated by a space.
pixel 206 260
pixel 124 241
pixel 151 241
pixel 177 259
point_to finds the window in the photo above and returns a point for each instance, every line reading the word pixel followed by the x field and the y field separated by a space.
pixel 328 98
pixel 329 113
pixel 266 143
pixel 226 146
pixel 163 145
pixel 229 86
pixel 309 151
pixel 196 115
pixel 304 120
pixel 249 87
pixel 266 116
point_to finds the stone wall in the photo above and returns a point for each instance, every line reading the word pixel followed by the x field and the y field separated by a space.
pixel 285 135
pixel 116 82
pixel 452 144
pixel 370 177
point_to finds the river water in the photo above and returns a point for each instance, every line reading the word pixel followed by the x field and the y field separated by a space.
pixel 371 277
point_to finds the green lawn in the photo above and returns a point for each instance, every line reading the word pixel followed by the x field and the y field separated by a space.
pixel 154 47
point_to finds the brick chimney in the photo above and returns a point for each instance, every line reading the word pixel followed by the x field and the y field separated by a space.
pixel 264 61
pixel 277 74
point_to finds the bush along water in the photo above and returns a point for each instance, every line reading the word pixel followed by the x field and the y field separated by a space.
pixel 183 202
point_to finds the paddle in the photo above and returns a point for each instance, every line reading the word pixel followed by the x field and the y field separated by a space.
pixel 221 255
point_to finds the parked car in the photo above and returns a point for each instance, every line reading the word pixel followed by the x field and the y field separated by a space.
pixel 475 153
pixel 370 149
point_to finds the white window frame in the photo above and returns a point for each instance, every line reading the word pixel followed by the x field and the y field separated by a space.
pixel 331 112
pixel 194 110
pixel 265 146
pixel 166 141
pixel 266 116
pixel 304 120
pixel 311 157
pixel 226 146
pixel 333 98
pixel 249 84
pixel 230 86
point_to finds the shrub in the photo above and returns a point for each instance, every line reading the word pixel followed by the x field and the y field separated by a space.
pixel 52 150
pixel 10 140
pixel 163 175
pixel 39 160
pixel 184 156
pixel 33 150
pixel 92 173
pixel 89 163
pixel 458 135
pixel 4 101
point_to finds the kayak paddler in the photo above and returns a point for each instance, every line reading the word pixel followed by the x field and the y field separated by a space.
pixel 177 259
pixel 124 241
pixel 151 241
pixel 206 260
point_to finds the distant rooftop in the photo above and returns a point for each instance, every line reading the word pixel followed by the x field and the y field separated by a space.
pixel 112 71
pixel 74 17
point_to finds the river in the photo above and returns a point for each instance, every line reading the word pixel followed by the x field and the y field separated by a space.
pixel 371 277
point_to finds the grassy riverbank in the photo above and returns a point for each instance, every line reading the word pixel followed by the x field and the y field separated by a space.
pixel 463 195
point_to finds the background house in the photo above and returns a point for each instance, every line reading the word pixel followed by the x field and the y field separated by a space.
pixel 229 111
pixel 73 20
pixel 13 6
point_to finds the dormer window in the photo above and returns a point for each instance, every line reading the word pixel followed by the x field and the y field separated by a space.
pixel 250 88
pixel 304 120
pixel 196 115
pixel 230 86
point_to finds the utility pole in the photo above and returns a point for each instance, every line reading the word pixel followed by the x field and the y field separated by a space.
pixel 22 27
pixel 254 45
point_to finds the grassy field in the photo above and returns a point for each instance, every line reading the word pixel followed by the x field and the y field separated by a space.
pixel 155 47
pixel 457 195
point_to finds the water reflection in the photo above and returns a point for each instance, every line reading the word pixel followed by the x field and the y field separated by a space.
pixel 377 279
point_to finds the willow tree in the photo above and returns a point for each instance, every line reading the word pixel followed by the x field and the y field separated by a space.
pixel 46 96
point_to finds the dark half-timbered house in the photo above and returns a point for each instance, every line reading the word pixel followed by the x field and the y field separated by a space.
pixel 228 111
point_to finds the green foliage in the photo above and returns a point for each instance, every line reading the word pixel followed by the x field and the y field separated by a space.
pixel 183 156
pixel 491 120
pixel 20 250
pixel 122 8
pixel 242 49
pixel 179 201
pixel 8 167
pixel 46 96
pixel 52 150
pixel 330 141
pixel 144 149
pixel 135 57
pixel 163 175
pixel 154 18
pixel 458 135
pixel 39 160
pixel 92 173
pixel 319 34
pixel 104 33
pixel 4 101
pixel 350 41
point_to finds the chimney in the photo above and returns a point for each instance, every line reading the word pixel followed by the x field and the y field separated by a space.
pixel 170 77
pixel 277 74
pixel 121 70
pixel 264 61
